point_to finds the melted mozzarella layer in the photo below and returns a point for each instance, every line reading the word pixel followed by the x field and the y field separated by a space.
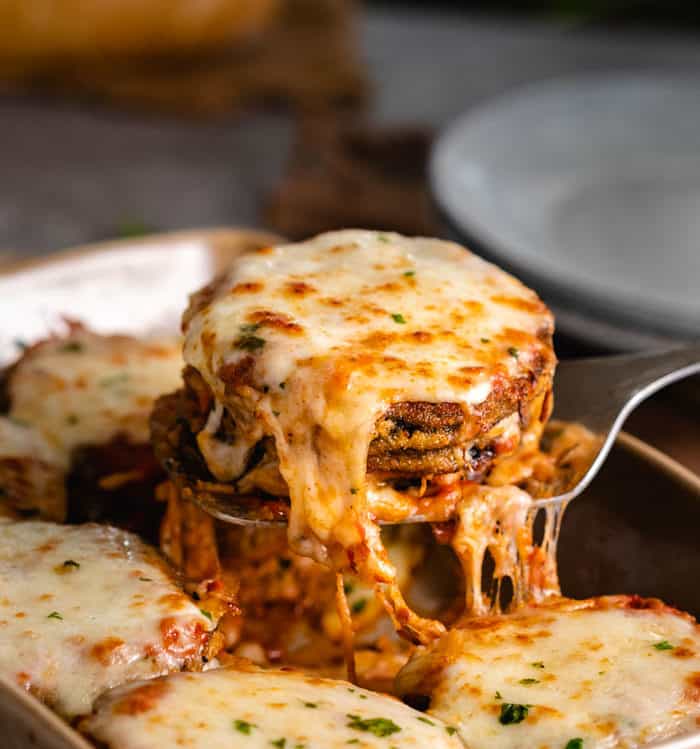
pixel 85 389
pixel 603 670
pixel 229 707
pixel 310 343
pixel 85 608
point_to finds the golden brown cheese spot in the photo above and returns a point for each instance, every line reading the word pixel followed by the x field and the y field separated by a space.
pixel 357 318
pixel 532 306
pixel 265 251
pixel 540 712
pixel 248 287
pixel 474 308
pixel 275 321
pixel 106 651
pixel 519 338
pixel 682 652
pixel 390 287
pixel 460 381
pixel 692 689
pixel 379 341
pixel 332 302
pixel 299 289
pixel 421 336
pixel 142 699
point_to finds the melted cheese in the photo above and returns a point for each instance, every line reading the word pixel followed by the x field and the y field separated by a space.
pixel 257 709
pixel 607 671
pixel 320 338
pixel 85 608
pixel 500 521
pixel 85 389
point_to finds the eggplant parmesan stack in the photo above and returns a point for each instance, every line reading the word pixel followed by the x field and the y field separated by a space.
pixel 354 379
pixel 611 671
pixel 74 435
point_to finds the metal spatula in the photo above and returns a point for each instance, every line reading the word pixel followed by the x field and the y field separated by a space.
pixel 598 393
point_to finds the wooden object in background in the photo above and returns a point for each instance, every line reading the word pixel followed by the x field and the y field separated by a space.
pixel 305 54
pixel 344 175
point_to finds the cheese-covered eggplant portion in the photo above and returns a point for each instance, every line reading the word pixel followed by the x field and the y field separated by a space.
pixel 615 671
pixel 75 392
pixel 364 375
pixel 86 608
pixel 243 706
pixel 86 388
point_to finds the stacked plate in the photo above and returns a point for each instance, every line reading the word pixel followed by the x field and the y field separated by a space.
pixel 589 189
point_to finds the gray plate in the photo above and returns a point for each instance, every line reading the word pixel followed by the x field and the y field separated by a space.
pixel 589 188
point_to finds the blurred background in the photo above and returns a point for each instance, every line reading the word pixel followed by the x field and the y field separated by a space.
pixel 120 118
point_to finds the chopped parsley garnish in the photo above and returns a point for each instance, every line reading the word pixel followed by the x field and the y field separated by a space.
pixel 513 352
pixel 425 720
pixel 310 704
pixel 409 273
pixel 247 341
pixel 351 689
pixel 72 347
pixel 362 696
pixel 353 490
pixel 276 413
pixel 146 579
pixel 203 612
pixel 54 615
pixel 243 726
pixel 574 744
pixel 486 340
pixel 663 645
pixel 353 741
pixel 451 730
pixel 382 237
pixel 250 342
pixel 348 587
pixel 399 318
pixel 281 743
pixel 499 696
pixel 71 563
pixel 511 713
pixel 283 385
pixel 378 726
pixel 359 606
pixel 115 379
pixel 537 664
pixel 527 682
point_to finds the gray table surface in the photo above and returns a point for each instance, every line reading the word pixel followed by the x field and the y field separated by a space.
pixel 71 174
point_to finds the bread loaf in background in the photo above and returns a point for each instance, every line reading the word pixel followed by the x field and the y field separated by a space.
pixel 36 35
